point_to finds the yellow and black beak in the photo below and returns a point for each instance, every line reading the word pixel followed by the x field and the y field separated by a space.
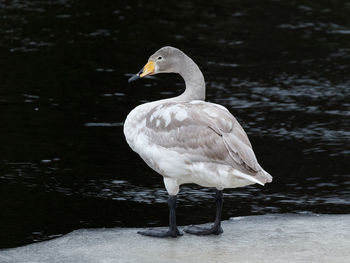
pixel 148 69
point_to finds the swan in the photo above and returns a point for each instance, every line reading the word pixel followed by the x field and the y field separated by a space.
pixel 188 140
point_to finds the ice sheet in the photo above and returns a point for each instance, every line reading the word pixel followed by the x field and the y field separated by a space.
pixel 268 238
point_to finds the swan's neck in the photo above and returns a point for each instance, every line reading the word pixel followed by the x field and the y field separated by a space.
pixel 194 81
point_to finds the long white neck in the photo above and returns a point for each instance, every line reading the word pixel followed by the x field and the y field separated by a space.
pixel 194 81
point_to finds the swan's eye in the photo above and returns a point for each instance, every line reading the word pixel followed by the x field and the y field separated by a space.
pixel 160 58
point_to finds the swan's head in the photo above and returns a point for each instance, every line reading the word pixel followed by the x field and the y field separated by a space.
pixel 165 60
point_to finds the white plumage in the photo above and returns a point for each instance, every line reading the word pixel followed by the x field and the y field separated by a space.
pixel 193 142
pixel 188 140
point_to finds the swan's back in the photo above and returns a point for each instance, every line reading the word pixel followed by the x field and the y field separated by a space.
pixel 199 132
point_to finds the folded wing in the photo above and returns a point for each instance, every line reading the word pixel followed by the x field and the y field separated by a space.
pixel 204 132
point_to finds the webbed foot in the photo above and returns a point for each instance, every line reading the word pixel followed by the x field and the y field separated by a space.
pixel 203 231
pixel 154 232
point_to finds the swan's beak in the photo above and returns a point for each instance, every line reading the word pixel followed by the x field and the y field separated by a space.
pixel 148 69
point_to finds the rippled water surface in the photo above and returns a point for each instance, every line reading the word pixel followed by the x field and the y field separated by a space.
pixel 281 67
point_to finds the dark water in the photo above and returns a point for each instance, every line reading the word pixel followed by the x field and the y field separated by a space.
pixel 281 67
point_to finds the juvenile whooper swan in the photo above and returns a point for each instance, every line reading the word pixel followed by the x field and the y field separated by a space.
pixel 188 140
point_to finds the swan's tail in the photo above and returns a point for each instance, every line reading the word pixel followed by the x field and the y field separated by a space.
pixel 262 177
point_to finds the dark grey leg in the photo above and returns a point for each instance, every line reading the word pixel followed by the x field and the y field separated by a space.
pixel 173 230
pixel 215 229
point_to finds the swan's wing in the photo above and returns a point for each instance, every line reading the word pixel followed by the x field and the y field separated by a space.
pixel 204 132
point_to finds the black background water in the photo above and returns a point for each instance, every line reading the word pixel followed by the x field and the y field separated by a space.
pixel 281 67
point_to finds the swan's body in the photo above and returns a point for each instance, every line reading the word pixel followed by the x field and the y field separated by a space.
pixel 188 140
pixel 193 142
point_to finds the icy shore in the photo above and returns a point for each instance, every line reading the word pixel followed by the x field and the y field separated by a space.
pixel 268 238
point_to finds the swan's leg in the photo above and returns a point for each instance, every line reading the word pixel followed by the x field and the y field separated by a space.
pixel 215 229
pixel 173 231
